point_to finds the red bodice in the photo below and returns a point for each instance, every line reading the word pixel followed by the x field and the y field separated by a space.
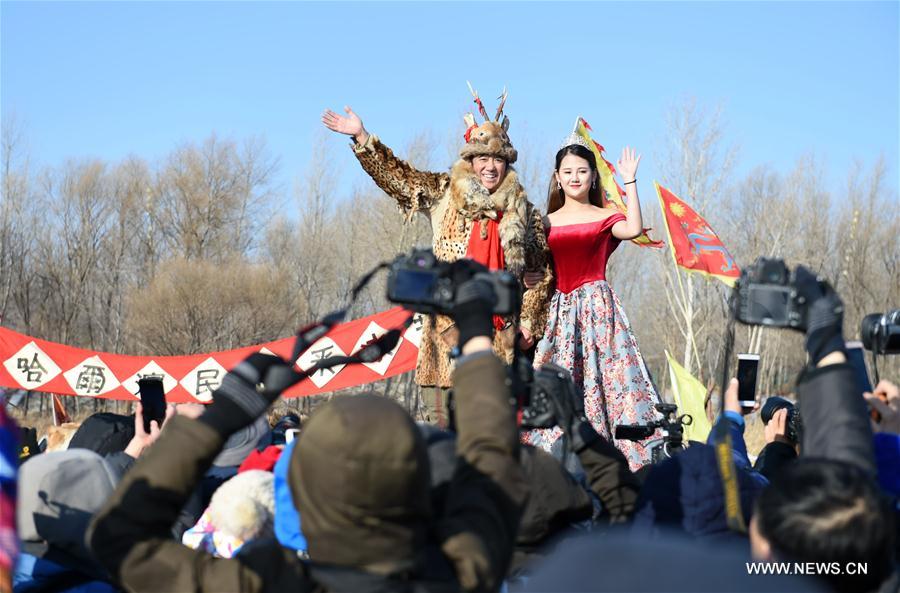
pixel 580 251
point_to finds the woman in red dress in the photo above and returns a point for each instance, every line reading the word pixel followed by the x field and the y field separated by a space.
pixel 587 331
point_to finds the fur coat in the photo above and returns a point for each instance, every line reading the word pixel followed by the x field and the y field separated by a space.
pixel 454 203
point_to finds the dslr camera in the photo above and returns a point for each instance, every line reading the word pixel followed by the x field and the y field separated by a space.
pixel 424 284
pixel 881 333
pixel 672 426
pixel 766 296
pixel 793 425
pixel 535 390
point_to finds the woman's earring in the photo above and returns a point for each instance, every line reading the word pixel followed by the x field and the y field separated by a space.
pixel 594 185
pixel 558 185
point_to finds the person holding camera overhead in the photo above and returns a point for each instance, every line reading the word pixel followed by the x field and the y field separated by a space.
pixel 587 331
pixel 478 211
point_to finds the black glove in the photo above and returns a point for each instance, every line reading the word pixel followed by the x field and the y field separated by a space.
pixel 474 304
pixel 246 393
pixel 824 317
pixel 465 269
pixel 568 408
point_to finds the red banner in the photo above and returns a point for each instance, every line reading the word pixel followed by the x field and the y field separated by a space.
pixel 39 365
pixel 695 246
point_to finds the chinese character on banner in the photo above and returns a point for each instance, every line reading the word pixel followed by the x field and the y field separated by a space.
pixel 204 379
pixel 414 332
pixel 151 369
pixel 30 367
pixel 91 378
pixel 33 370
pixel 322 349
pixel 372 333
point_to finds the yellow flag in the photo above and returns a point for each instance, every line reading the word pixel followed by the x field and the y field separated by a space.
pixel 690 396
pixel 611 190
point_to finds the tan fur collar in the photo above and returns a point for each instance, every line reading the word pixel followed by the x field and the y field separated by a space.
pixel 471 198
pixel 473 201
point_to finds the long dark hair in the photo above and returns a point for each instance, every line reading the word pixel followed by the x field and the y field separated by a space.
pixel 555 196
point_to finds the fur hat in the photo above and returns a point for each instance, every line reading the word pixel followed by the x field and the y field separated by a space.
pixel 490 138
pixel 244 506
pixel 242 509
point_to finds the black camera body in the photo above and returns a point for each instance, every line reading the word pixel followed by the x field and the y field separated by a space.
pixel 424 284
pixel 536 390
pixel 766 296
pixel 881 333
pixel 793 424
pixel 672 428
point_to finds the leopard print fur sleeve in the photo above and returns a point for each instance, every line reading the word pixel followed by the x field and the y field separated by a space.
pixel 413 190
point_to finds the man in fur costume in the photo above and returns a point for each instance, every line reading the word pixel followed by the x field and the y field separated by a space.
pixel 480 211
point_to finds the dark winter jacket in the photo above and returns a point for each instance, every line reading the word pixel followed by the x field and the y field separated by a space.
pixel 774 457
pixel 475 530
pixel 685 494
pixel 836 422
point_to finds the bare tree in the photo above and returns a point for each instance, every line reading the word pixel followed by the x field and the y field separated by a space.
pixel 696 166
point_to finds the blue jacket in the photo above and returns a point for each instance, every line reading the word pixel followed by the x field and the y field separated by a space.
pixel 684 493
pixel 287 518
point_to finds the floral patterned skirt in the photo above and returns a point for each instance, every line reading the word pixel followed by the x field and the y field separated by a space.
pixel 588 333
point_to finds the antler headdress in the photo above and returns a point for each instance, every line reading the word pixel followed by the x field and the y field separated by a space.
pixel 489 138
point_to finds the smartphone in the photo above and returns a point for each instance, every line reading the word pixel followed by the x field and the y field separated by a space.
pixel 748 365
pixel 153 400
pixel 856 357
pixel 290 434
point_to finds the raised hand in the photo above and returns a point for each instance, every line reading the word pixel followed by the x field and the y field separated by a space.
pixel 142 439
pixel 776 429
pixel 350 125
pixel 886 401
pixel 628 164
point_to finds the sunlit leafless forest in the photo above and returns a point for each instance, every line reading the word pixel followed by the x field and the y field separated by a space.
pixel 198 251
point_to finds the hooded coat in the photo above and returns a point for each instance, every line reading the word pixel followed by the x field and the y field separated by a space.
pixel 359 474
pixel 454 203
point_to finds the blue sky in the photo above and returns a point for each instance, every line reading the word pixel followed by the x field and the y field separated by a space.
pixel 108 79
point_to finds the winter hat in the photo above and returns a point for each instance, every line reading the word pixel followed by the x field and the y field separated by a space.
pixel 360 476
pixel 489 138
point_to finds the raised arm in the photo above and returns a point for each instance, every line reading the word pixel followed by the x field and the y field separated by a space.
pixel 836 422
pixel 413 190
pixel 488 488
pixel 632 226
pixel 130 536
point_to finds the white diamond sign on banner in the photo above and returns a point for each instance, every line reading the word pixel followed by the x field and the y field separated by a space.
pixel 322 349
pixel 31 367
pixel 373 332
pixel 204 379
pixel 92 377
pixel 414 332
pixel 151 369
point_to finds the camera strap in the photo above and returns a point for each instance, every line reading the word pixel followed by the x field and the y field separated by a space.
pixel 734 516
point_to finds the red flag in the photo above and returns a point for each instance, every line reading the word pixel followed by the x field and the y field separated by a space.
pixel 695 246
pixel 60 416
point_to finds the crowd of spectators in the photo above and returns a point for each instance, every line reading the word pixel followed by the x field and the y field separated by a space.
pixel 365 499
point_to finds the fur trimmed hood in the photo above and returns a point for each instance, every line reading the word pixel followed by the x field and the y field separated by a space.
pixel 473 201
